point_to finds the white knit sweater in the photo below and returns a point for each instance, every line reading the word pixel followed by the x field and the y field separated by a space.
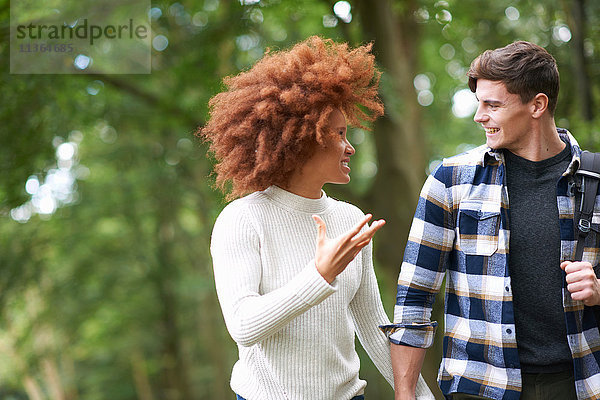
pixel 295 332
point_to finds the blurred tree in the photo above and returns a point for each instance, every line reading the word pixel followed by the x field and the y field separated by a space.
pixel 109 293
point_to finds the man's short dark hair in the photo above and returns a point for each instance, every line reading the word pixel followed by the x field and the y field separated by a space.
pixel 525 68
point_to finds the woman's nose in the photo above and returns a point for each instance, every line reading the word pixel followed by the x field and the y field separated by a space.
pixel 350 150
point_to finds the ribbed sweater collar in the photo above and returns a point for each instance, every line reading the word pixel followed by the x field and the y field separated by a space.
pixel 298 203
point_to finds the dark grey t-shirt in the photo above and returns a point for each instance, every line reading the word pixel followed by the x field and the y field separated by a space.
pixel 534 262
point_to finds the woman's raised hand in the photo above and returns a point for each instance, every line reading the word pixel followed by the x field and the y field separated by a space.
pixel 333 255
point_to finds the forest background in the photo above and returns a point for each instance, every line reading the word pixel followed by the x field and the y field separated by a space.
pixel 107 203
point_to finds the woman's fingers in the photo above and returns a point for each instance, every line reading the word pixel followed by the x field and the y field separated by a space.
pixel 375 226
pixel 354 231
pixel 370 232
pixel 351 236
pixel 354 235
pixel 321 227
pixel 364 238
pixel 333 255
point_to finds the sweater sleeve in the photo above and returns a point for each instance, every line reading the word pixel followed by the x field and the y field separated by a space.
pixel 249 315
pixel 368 313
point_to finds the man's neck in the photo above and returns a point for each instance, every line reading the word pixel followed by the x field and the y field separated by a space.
pixel 544 142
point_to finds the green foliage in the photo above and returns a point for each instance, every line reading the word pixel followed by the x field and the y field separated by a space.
pixel 113 290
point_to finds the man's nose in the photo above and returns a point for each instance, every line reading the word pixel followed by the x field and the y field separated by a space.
pixel 480 115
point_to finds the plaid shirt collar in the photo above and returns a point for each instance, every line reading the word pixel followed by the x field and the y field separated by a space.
pixel 498 155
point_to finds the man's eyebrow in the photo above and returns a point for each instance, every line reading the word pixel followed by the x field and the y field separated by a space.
pixel 491 102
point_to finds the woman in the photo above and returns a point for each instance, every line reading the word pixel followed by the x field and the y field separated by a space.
pixel 293 307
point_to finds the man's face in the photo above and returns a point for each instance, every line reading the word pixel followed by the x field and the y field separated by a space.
pixel 506 120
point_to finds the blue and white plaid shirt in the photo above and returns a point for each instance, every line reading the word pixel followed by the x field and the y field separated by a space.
pixel 460 230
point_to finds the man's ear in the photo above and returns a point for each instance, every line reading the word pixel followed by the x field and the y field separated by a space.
pixel 539 104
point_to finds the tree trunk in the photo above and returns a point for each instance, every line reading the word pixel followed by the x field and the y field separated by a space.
pixel 577 23
pixel 70 376
pixel 398 138
pixel 217 345
pixel 400 147
pixel 175 369
pixel 32 388
pixel 53 380
pixel 140 376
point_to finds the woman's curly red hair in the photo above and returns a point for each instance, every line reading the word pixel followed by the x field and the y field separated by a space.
pixel 272 116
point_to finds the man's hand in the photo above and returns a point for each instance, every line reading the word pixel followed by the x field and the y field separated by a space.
pixel 582 282
pixel 333 255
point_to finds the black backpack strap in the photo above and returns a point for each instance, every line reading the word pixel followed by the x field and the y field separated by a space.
pixel 589 170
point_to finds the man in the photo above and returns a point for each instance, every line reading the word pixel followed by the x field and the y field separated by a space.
pixel 497 222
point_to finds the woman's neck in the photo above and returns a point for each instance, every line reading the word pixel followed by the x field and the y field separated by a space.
pixel 308 191
pixel 301 184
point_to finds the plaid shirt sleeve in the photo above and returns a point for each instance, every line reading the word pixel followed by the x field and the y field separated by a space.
pixel 430 242
pixel 462 210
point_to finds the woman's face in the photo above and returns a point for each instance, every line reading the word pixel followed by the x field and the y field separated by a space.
pixel 330 164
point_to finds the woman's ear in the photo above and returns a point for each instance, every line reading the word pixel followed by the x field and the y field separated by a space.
pixel 539 104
